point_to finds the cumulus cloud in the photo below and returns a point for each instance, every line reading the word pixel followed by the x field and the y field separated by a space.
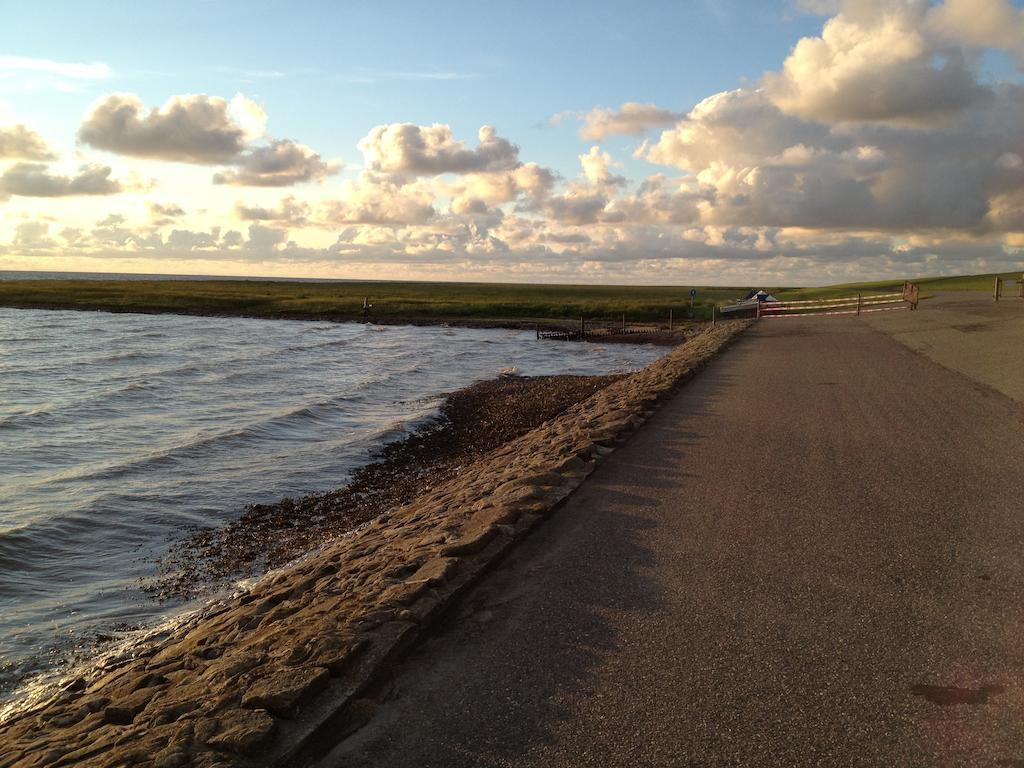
pixel 980 24
pixel 405 148
pixel 36 180
pixel 19 142
pixel 381 200
pixel 265 239
pixel 597 168
pixel 874 62
pixel 205 130
pixel 631 119
pixel 876 150
pixel 475 193
pixel 163 214
pixel 189 129
pixel 289 212
pixel 735 128
pixel 839 138
pixel 281 163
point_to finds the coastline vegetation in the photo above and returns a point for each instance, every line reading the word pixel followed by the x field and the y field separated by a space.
pixel 484 303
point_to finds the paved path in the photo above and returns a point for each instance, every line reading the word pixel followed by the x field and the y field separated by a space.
pixel 814 555
pixel 968 332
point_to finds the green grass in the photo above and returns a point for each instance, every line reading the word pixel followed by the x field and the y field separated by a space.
pixel 396 301
pixel 926 284
pixel 391 300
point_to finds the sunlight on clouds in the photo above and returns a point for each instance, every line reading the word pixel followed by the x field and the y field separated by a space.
pixel 874 149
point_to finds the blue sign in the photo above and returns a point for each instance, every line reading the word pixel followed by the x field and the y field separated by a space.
pixel 693 292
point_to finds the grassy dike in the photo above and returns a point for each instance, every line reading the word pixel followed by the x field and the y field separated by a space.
pixel 392 301
pixel 468 303
pixel 260 678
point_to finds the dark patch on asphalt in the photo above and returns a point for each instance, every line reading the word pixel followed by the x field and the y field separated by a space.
pixel 975 327
pixel 944 695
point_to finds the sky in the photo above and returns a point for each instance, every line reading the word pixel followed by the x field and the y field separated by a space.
pixel 795 142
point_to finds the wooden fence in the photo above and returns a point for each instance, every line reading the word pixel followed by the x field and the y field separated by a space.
pixel 843 305
pixel 1016 286
pixel 596 328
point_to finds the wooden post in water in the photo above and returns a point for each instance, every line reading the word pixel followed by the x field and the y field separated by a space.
pixel 538 330
pixel 623 322
pixel 858 303
pixel 583 327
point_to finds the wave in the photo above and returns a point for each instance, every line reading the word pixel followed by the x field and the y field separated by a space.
pixel 72 410
pixel 279 426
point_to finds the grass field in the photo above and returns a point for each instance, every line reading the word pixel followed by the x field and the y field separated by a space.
pixel 423 302
pixel 927 285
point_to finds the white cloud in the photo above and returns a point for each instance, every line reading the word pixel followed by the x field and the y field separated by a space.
pixel 875 150
pixel 190 129
pixel 72 70
pixel 980 24
pixel 874 62
pixel 289 212
pixel 405 148
pixel 381 200
pixel 631 119
pixel 36 180
pixel 162 214
pixel 280 163
pixel 19 142
pixel 597 168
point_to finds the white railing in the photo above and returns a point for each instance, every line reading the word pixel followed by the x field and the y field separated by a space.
pixel 842 305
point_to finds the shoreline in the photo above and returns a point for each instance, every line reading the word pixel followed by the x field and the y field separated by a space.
pixel 209 563
pixel 257 677
pixel 470 423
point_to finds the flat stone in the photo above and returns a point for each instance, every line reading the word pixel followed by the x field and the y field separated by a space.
pixel 334 652
pixel 243 732
pixel 284 691
pixel 470 542
pixel 435 571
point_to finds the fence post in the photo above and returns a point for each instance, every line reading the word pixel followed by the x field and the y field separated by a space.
pixel 858 303
pixel 583 327
pixel 670 319
pixel 757 309
pixel 995 290
pixel 623 322
pixel 712 315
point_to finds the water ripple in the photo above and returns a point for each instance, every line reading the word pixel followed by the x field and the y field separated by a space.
pixel 120 431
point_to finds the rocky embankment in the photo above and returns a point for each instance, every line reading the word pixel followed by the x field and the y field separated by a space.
pixel 259 677
pixel 472 423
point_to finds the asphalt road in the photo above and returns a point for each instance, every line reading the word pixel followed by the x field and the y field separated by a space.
pixel 968 332
pixel 814 555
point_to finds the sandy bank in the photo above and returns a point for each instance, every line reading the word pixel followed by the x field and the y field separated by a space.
pixel 258 677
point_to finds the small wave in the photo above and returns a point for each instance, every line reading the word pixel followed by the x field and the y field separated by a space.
pixel 71 410
pixel 118 357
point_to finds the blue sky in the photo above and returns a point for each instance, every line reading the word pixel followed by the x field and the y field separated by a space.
pixel 899 72
pixel 328 70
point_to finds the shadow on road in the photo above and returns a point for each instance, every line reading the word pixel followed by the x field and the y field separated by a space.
pixel 535 630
